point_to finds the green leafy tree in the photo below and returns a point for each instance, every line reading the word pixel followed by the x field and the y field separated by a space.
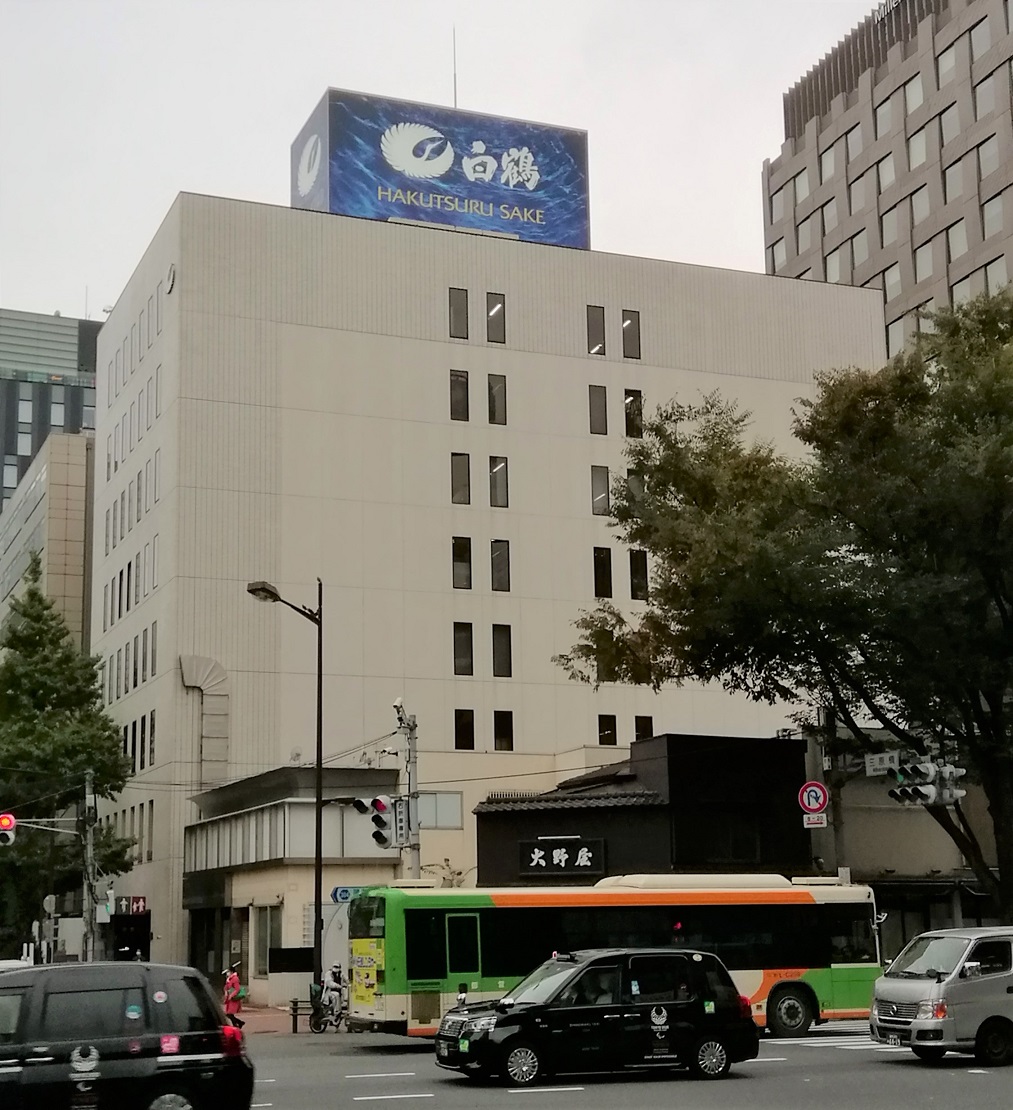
pixel 869 574
pixel 53 730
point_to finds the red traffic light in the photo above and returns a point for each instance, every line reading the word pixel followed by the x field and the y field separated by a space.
pixel 8 822
pixel 381 804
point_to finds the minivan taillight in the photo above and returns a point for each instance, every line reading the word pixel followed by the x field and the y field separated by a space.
pixel 232 1040
pixel 745 1009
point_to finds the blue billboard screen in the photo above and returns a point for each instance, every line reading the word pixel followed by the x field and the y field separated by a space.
pixel 396 160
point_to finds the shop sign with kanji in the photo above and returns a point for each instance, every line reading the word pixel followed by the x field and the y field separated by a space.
pixel 563 856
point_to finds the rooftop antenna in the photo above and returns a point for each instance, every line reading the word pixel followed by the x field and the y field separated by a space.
pixel 455 65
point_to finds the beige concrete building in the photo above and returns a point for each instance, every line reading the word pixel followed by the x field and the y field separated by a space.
pixel 50 512
pixel 427 421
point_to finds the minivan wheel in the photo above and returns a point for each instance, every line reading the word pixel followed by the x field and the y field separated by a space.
pixel 994 1044
pixel 709 1059
pixel 928 1053
pixel 172 1100
pixel 521 1064
pixel 790 1013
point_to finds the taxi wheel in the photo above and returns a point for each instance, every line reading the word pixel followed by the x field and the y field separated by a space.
pixel 709 1059
pixel 521 1064
pixel 789 1015
pixel 994 1044
pixel 173 1099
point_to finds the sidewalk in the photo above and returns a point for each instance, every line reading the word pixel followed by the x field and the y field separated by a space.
pixel 271 1019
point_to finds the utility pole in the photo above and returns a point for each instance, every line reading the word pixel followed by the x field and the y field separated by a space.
pixel 414 847
pixel 89 867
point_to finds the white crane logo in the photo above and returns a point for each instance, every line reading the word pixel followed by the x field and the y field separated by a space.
pixel 309 165
pixel 416 150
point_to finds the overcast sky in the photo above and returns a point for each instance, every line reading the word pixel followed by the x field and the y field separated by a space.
pixel 109 108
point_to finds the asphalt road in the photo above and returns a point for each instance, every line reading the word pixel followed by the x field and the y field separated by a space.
pixel 828 1070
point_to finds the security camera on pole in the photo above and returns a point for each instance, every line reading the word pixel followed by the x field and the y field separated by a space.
pixel 406 724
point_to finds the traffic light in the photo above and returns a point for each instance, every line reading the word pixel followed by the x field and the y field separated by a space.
pixel 916 784
pixel 8 829
pixel 949 792
pixel 381 811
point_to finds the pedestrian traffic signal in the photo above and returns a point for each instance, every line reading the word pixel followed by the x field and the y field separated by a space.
pixel 916 784
pixel 948 789
pixel 8 829
pixel 381 813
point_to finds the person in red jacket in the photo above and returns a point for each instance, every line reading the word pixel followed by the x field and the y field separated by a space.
pixel 233 996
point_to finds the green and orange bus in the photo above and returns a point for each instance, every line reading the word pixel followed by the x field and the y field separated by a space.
pixel 802 950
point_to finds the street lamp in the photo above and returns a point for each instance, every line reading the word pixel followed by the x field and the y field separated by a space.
pixel 264 591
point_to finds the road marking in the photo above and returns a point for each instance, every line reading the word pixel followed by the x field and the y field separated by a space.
pixel 766 1060
pixel 261 1104
pixel 542 1090
pixel 977 1071
pixel 265 1080
pixel 379 1098
pixel 380 1074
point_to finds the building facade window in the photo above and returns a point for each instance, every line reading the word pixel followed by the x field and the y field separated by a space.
pixel 956 239
pixel 464 655
pixel 499 556
pixel 946 65
pixel 859 248
pixel 458 313
pixel 960 292
pixel 464 730
pixel 497 399
pixel 923 262
pixel 833 266
pixel 920 205
pixel 801 184
pixel 631 333
pixel 460 479
pixel 602 572
pixel 777 206
pixel 883 118
pixel 607 729
pixel 638 575
pixel 502 653
pixel 499 484
pixel 886 172
pixel 995 275
pixel 634 402
pixel 827 165
pixel 461 558
pixel 914 95
pixel 853 142
pixel 856 194
pixel 495 318
pixel 991 217
pixel 988 157
pixel 949 124
pixel 891 281
pixel 984 97
pixel 894 338
pixel 888 226
pixel 643 727
pixel 953 182
pixel 459 409
pixel 597 410
pixel 778 256
pixel 503 730
pixel 981 39
pixel 600 490
pixel 595 329
pixel 829 211
pixel 804 234
pixel 917 149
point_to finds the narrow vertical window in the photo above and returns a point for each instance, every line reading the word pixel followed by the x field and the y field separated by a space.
pixel 158 308
pixel 137 663
pixel 499 486
pixel 643 727
pixel 154 648
pixel 634 401
pixel 464 656
pixel 151 811
pixel 600 490
pixel 458 394
pixel 460 479
pixel 139 482
pixel 109 457
pixel 503 730
pixel 130 507
pixel 458 313
pixel 147 485
pixel 595 329
pixel 602 572
pixel 105 606
pixel 597 405
pixel 154 564
pixel 502 655
pixel 158 390
pixel 495 317
pixel 123 514
pixel 464 730
pixel 107 531
pixel 607 729
pixel 631 333
pixel 158 475
pixel 130 582
pixel 144 655
pixel 119 673
pixel 500 571
pixel 119 596
pixel 151 739
pixel 461 550
pixel 144 734
pixel 147 567
pixel 638 575
pixel 497 399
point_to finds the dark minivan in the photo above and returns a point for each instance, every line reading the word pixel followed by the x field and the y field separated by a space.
pixel 605 1009
pixel 101 1035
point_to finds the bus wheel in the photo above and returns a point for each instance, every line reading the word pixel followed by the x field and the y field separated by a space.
pixel 789 1013
pixel 521 1065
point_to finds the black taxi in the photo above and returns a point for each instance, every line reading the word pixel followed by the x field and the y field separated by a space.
pixel 605 1009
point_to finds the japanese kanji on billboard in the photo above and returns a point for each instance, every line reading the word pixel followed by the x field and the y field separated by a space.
pixel 566 856
pixel 396 160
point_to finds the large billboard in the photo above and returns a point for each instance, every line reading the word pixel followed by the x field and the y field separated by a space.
pixel 385 159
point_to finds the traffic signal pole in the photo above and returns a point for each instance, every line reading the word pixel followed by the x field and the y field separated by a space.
pixel 414 846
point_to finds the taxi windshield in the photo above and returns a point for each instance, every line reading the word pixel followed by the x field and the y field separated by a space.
pixel 928 958
pixel 543 982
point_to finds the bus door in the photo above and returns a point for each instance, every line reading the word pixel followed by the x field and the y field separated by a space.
pixel 464 966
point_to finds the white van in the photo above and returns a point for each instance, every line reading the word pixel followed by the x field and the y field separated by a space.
pixel 950 990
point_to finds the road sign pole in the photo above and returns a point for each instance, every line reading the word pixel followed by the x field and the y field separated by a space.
pixel 89 870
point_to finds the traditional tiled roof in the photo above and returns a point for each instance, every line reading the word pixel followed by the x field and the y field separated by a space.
pixel 561 800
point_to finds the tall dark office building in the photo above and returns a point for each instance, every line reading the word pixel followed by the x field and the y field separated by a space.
pixel 898 158
pixel 47 382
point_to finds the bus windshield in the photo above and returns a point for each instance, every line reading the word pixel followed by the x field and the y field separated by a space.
pixel 366 917
pixel 543 982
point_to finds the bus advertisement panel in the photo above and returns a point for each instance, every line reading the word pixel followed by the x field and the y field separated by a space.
pixel 802 951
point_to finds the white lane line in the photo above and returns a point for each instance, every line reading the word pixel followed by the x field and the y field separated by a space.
pixel 766 1060
pixel 977 1071
pixel 542 1090
pixel 380 1074
pixel 265 1080
pixel 260 1104
pixel 380 1098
